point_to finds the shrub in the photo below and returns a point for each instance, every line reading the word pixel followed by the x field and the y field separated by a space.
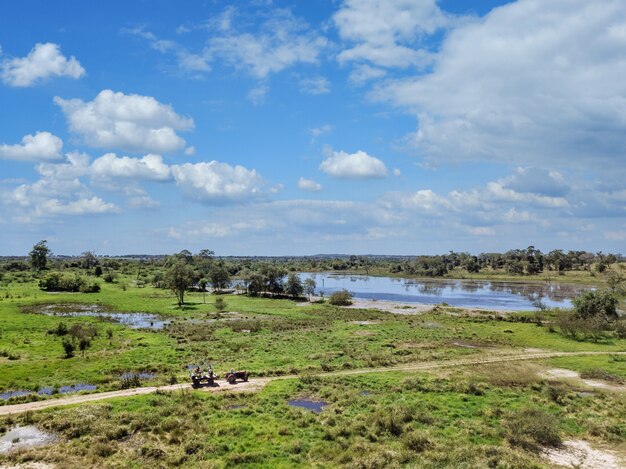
pixel 416 441
pixel 340 298
pixel 532 429
pixel 595 303
pixel 60 330
pixel 69 348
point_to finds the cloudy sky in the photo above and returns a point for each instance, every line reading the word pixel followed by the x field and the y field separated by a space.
pixel 328 126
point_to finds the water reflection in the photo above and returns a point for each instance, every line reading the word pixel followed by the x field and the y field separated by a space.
pixel 514 296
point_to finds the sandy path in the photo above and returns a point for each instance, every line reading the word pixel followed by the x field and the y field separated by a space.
pixel 257 384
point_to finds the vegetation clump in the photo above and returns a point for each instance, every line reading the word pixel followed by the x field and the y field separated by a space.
pixel 340 298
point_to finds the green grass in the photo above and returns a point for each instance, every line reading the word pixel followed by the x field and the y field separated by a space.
pixel 403 419
pixel 269 337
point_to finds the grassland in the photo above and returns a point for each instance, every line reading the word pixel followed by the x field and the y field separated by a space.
pixel 456 418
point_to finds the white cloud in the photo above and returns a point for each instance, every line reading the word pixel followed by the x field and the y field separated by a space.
pixel 149 167
pixel 388 33
pixel 52 197
pixel 481 231
pixel 217 182
pixel 76 165
pixel 43 61
pixel 282 42
pixel 357 165
pixel 315 85
pixel 309 185
pixel 615 235
pixel 363 73
pixel 43 146
pixel 87 206
pixel 397 172
pixel 258 94
pixel 161 45
pixel 130 122
pixel 532 83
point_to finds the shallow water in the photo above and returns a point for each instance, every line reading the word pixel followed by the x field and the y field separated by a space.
pixel 48 391
pixel 513 296
pixel 25 437
pixel 315 406
pixel 133 320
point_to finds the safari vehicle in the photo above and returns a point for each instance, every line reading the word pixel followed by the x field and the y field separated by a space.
pixel 201 378
pixel 232 376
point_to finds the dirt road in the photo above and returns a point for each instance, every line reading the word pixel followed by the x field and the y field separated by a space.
pixel 257 384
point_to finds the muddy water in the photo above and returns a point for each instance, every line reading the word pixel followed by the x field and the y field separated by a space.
pixel 512 296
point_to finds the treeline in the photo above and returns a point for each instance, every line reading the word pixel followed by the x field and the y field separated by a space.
pixel 529 261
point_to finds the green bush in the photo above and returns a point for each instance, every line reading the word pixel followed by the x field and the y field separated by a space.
pixel 340 298
pixel 595 303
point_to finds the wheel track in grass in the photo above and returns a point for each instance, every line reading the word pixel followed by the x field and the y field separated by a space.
pixel 256 384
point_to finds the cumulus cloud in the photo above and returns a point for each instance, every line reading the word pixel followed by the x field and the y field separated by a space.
pixel 43 146
pixel 52 197
pixel 357 165
pixel 149 167
pixel 43 61
pixel 216 182
pixel 387 33
pixel 531 83
pixel 87 206
pixel 130 122
pixel 309 185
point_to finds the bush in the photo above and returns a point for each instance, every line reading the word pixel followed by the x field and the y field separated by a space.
pixel 54 281
pixel 69 348
pixel 532 429
pixel 595 303
pixel 340 298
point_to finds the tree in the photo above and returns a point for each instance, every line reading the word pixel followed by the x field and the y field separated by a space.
pixel 309 287
pixel 219 277
pixel 202 283
pixel 178 279
pixel 294 287
pixel 39 255
pixel 88 260
pixel 594 303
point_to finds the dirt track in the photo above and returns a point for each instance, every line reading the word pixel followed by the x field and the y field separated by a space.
pixel 257 384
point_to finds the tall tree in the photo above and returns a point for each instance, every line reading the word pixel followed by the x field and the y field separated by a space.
pixel 39 255
pixel 178 279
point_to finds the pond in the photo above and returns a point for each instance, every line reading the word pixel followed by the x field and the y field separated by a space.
pixel 494 295
pixel 133 320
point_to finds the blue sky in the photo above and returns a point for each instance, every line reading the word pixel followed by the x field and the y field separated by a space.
pixel 287 128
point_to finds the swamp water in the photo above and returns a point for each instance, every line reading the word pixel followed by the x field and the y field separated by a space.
pixel 132 320
pixel 490 295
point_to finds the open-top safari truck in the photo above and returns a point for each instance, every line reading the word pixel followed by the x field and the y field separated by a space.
pixel 201 378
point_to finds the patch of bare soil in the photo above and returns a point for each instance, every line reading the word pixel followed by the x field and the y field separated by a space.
pixel 364 333
pixel 580 454
pixel 475 345
pixel 570 374
pixel 365 323
pixel 390 306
